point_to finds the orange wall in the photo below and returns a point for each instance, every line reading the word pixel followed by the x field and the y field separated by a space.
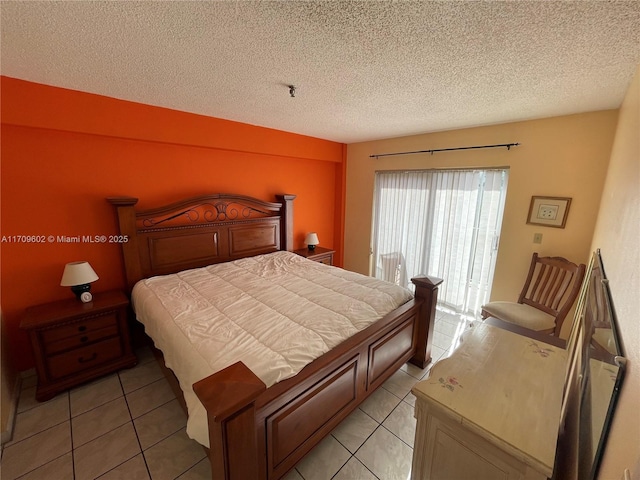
pixel 64 151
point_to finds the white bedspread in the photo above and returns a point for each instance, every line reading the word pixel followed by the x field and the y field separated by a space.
pixel 275 313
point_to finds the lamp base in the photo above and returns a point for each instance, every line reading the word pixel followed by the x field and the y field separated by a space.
pixel 311 247
pixel 78 290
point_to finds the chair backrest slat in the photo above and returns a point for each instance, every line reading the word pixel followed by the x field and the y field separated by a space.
pixel 549 286
pixel 538 286
pixel 563 284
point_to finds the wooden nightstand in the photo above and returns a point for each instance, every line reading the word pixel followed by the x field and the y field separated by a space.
pixel 74 342
pixel 320 254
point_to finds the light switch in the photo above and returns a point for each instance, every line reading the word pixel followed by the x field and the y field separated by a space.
pixel 537 238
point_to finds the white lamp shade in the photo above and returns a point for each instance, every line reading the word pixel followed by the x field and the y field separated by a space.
pixel 77 273
pixel 312 239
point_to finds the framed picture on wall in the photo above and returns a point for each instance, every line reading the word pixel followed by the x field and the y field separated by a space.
pixel 549 211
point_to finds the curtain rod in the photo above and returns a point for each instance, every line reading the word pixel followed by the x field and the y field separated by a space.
pixel 505 145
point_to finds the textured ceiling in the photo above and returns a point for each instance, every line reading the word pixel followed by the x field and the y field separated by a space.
pixel 363 70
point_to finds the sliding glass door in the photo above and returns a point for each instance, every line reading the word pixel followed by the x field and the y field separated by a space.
pixel 443 223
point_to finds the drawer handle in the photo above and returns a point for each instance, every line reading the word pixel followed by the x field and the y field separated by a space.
pixel 84 339
pixel 90 359
pixel 82 328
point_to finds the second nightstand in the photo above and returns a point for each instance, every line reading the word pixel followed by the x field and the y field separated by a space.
pixel 75 342
pixel 319 254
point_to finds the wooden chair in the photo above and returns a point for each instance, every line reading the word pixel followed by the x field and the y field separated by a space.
pixel 393 269
pixel 551 288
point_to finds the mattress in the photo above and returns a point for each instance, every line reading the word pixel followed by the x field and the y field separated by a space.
pixel 276 313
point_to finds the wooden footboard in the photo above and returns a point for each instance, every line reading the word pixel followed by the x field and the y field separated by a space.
pixel 260 433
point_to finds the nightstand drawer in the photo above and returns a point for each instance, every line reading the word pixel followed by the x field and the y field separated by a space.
pixel 109 319
pixel 80 340
pixel 83 358
pixel 327 260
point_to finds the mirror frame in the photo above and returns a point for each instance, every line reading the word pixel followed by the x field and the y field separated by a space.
pixel 589 461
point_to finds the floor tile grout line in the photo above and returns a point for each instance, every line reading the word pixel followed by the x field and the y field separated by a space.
pixel 119 426
pixel 382 425
pixel 119 465
pixel 371 416
pixel 101 435
pixel 143 386
pixel 159 441
pixel 95 406
pixel 361 463
pixel 149 360
pixel 374 430
pixel 154 408
pixel 124 394
pixel 52 460
pixel 143 450
pixel 405 401
pixel 14 444
pixel 40 466
pixel 367 439
pixel 135 430
pixel 182 473
pixel 114 467
pixel 91 410
pixel 73 453
pixel 389 391
pixel 343 465
pixel 397 437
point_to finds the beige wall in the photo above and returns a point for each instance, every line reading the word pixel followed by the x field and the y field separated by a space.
pixel 617 234
pixel 561 156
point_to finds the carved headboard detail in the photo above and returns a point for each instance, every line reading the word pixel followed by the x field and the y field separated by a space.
pixel 200 231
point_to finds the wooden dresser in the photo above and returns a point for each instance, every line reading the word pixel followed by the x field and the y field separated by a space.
pixel 74 342
pixel 491 410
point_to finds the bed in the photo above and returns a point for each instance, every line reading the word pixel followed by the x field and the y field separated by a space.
pixel 255 431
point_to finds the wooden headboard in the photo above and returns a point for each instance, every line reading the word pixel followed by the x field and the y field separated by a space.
pixel 200 231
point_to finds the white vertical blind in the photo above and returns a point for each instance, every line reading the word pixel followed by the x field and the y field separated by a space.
pixel 444 223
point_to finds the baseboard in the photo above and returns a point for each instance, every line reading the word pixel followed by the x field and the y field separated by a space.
pixel 7 434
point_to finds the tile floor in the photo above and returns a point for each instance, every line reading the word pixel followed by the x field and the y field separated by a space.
pixel 129 425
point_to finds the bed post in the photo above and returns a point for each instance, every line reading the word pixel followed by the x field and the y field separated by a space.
pixel 286 222
pixel 427 290
pixel 127 224
pixel 229 397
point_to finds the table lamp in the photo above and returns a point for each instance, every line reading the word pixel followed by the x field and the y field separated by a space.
pixel 312 240
pixel 78 276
